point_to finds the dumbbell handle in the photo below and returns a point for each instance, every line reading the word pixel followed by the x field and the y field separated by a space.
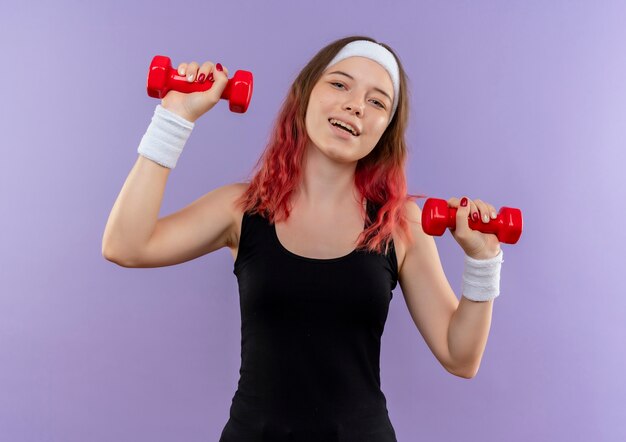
pixel 162 78
pixel 437 217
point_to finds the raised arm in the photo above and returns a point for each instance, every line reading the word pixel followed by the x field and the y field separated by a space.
pixel 133 236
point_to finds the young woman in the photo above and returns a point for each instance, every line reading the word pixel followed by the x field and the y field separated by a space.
pixel 320 237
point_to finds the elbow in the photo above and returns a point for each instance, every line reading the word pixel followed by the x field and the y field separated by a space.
pixel 111 251
pixel 112 257
pixel 463 372
pixel 467 375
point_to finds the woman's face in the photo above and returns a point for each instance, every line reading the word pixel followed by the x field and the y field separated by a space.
pixel 357 91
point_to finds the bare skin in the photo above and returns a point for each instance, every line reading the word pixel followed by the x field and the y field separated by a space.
pixel 326 218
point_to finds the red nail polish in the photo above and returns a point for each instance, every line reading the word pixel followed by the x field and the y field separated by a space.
pixel 219 67
pixel 475 216
pixel 210 78
pixel 464 202
pixel 201 78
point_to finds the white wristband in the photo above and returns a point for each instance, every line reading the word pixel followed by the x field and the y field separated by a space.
pixel 481 277
pixel 165 138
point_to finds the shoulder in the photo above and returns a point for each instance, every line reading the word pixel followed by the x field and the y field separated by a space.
pixel 234 190
pixel 237 189
pixel 232 193
pixel 413 212
pixel 228 194
pixel 421 252
pixel 413 215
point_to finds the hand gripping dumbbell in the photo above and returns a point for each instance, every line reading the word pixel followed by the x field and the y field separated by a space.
pixel 437 217
pixel 162 78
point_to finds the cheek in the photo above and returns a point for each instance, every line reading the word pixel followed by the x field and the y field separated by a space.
pixel 378 128
pixel 316 114
pixel 312 120
pixel 312 108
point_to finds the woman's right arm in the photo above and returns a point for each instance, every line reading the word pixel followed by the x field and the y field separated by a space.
pixel 133 234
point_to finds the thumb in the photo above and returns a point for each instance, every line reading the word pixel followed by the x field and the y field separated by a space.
pixel 220 80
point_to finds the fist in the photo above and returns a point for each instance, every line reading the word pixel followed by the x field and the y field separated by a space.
pixel 192 106
pixel 475 244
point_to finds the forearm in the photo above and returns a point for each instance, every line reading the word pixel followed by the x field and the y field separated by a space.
pixel 467 334
pixel 469 326
pixel 134 216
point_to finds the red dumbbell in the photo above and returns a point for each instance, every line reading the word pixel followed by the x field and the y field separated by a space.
pixel 162 78
pixel 437 216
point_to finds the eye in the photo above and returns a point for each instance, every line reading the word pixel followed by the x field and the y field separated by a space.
pixel 378 103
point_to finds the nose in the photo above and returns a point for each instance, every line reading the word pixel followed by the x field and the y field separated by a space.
pixel 354 106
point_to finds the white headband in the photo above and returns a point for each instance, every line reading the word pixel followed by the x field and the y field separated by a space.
pixel 378 53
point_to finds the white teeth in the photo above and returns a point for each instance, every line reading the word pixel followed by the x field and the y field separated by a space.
pixel 346 125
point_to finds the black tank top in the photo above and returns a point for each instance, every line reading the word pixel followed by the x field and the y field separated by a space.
pixel 310 342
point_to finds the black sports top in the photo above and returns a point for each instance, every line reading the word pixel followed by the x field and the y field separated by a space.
pixel 310 342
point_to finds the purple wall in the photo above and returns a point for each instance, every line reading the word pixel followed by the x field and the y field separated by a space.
pixel 520 104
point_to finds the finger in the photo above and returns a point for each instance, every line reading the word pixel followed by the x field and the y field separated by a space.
pixel 223 72
pixel 207 70
pixel 462 214
pixel 219 80
pixel 453 202
pixel 182 68
pixel 456 203
pixel 192 71
pixel 488 212
pixel 483 211
pixel 475 212
pixel 478 215
pixel 221 77
pixel 214 71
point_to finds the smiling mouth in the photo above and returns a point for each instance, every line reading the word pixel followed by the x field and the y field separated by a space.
pixel 343 128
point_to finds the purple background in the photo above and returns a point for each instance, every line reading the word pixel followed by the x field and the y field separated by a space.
pixel 520 104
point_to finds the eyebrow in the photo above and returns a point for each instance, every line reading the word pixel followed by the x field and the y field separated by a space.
pixel 352 78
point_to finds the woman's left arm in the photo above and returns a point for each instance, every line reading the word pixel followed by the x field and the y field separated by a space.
pixel 455 331
pixel 470 323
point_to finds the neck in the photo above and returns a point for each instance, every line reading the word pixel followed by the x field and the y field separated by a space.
pixel 326 184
